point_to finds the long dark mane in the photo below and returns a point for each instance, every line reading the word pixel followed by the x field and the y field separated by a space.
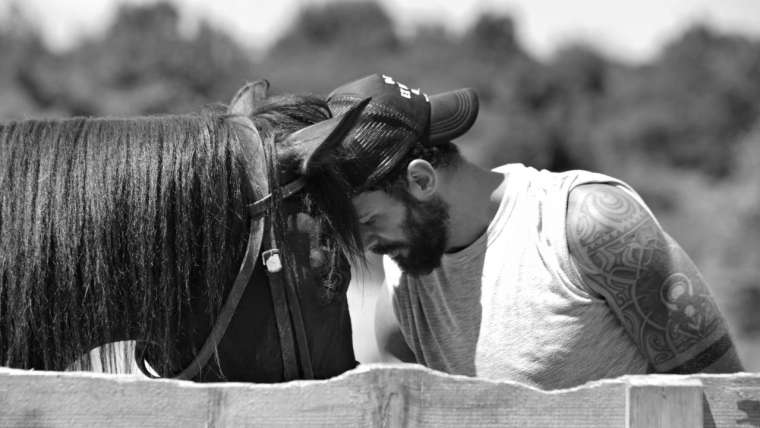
pixel 114 225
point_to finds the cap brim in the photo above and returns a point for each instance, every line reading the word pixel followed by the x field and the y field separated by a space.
pixel 452 114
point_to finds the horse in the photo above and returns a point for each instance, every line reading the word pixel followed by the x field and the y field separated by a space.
pixel 219 241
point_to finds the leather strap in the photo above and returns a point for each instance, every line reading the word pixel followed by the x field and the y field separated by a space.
pixel 260 207
pixel 285 300
pixel 290 325
pixel 230 305
pixel 282 320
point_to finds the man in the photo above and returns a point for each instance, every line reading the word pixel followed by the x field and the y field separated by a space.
pixel 549 279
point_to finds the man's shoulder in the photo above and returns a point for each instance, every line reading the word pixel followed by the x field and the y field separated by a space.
pixel 600 212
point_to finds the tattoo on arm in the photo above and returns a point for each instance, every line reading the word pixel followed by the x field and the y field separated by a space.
pixel 646 278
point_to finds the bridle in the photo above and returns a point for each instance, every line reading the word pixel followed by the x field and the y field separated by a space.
pixel 287 306
pixel 296 358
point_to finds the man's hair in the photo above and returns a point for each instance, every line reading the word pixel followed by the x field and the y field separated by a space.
pixel 440 156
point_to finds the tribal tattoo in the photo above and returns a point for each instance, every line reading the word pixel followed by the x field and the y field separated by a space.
pixel 646 278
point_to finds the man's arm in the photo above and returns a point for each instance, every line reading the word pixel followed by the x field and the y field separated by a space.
pixel 650 283
pixel 390 340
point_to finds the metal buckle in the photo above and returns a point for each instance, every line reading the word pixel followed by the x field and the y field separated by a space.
pixel 271 259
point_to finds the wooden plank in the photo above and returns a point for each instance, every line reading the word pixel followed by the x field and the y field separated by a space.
pixel 662 401
pixel 730 400
pixel 399 395
pixel 376 395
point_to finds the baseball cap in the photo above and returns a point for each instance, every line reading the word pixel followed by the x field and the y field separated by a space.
pixel 396 117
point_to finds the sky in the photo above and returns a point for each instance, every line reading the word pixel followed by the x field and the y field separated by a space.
pixel 627 30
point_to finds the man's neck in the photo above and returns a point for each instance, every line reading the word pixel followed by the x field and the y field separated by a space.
pixel 474 195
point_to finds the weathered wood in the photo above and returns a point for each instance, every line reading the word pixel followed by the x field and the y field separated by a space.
pixel 395 395
pixel 659 401
pixel 730 400
pixel 368 396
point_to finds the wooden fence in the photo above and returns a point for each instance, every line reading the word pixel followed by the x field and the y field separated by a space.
pixel 377 395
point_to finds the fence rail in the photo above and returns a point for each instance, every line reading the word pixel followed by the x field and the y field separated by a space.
pixel 377 395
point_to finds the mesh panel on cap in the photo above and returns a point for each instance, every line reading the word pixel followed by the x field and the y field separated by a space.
pixel 376 145
pixel 374 148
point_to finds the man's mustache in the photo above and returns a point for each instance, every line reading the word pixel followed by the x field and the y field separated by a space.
pixel 387 248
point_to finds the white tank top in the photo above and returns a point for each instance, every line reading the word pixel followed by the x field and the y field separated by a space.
pixel 512 306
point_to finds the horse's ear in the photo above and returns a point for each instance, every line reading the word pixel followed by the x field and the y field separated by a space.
pixel 249 97
pixel 317 142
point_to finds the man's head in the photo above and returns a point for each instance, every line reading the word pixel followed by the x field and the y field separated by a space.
pixel 397 118
pixel 405 216
pixel 393 160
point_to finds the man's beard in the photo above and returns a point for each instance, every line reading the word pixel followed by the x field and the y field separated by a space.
pixel 425 227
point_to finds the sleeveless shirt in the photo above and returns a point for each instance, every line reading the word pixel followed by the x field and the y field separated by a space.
pixel 512 305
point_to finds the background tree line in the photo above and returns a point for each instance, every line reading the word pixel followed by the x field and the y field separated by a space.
pixel 683 128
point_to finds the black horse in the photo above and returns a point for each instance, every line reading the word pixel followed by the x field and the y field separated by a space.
pixel 158 230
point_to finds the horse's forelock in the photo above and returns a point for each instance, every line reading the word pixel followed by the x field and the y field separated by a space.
pixel 279 116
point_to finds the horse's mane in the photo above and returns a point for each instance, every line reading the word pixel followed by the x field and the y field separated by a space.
pixel 114 225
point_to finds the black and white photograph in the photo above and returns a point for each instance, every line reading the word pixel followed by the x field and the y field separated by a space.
pixel 475 213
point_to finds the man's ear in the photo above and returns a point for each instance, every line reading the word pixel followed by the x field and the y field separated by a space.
pixel 422 179
pixel 248 98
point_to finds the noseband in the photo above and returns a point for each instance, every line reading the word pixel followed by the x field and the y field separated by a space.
pixel 296 357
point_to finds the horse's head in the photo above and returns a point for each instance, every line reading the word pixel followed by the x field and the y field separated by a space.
pixel 320 226
pixel 135 229
pixel 310 235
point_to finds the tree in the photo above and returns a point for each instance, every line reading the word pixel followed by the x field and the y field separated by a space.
pixel 493 35
pixel 341 25
pixel 142 65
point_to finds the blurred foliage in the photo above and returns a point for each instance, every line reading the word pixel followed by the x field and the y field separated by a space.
pixel 683 128
pixel 690 106
pixel 141 65
pixel 333 24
